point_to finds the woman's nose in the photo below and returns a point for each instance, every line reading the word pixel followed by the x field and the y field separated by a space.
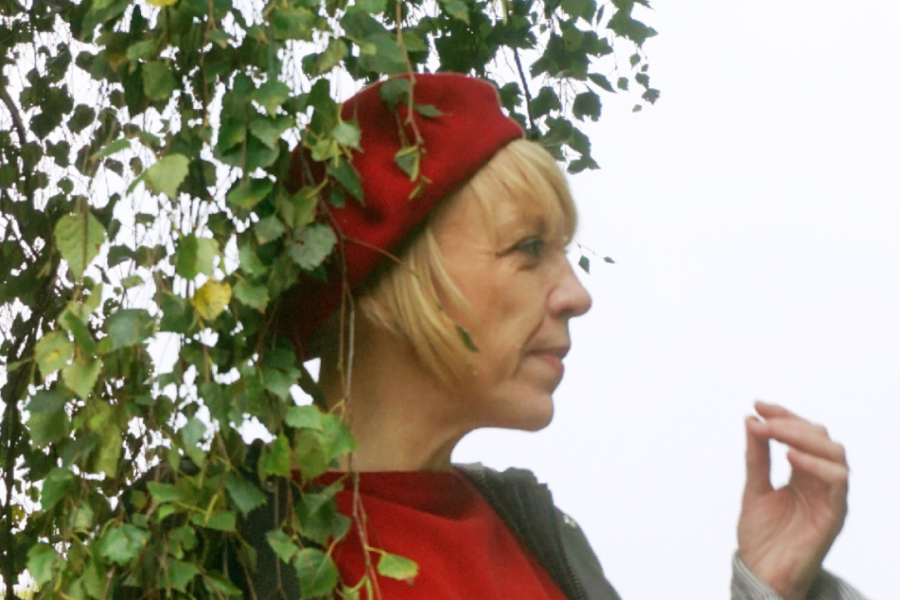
pixel 569 297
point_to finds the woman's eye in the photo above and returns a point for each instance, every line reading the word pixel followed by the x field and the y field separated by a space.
pixel 533 247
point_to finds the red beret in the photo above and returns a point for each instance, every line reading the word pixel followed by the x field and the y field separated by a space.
pixel 469 129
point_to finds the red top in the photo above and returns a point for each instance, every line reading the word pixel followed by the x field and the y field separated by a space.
pixel 441 521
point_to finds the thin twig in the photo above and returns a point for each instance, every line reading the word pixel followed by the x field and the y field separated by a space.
pixel 525 88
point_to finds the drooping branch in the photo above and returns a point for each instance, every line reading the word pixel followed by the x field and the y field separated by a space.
pixel 531 124
pixel 14 113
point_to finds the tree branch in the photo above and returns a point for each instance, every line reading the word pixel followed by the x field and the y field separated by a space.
pixel 14 112
pixel 525 88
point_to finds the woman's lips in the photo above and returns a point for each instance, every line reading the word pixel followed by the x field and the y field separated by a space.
pixel 552 357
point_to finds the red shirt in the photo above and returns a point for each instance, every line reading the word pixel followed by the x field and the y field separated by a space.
pixel 438 519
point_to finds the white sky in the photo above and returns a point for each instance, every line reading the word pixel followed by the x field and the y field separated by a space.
pixel 753 216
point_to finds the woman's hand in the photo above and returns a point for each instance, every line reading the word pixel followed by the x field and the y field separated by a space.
pixel 784 534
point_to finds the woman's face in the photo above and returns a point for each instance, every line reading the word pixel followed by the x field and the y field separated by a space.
pixel 522 291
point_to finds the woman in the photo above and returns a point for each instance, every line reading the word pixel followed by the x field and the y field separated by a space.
pixel 460 296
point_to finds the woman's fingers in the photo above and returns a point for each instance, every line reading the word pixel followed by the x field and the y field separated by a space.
pixel 834 475
pixel 802 435
pixel 768 411
pixel 758 459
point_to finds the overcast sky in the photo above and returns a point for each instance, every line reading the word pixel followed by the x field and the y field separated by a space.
pixel 753 215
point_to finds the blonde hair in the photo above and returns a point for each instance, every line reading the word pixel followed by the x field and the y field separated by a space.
pixel 406 298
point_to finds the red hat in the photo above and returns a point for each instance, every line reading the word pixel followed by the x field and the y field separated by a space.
pixel 469 129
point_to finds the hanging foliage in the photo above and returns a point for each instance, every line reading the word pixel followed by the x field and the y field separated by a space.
pixel 146 239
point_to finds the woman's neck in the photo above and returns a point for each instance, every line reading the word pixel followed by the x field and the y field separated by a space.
pixel 402 417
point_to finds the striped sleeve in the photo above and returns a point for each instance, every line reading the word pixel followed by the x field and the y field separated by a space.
pixel 747 586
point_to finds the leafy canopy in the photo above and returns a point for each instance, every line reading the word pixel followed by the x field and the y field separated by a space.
pixel 146 240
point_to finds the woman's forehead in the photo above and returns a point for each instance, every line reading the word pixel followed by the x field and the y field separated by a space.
pixel 531 213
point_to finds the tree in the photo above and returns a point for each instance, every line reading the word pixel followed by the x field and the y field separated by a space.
pixel 142 152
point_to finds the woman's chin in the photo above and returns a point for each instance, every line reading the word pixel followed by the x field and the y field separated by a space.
pixel 532 414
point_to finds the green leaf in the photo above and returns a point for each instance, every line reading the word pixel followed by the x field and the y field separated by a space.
pixel 180 574
pixel 82 374
pixel 381 53
pixel 76 326
pixel 428 110
pixel 219 37
pixel 397 567
pixel 348 134
pixel 408 159
pixel 159 80
pixel 544 102
pixel 112 148
pixel 122 543
pixel 53 352
pixel 271 95
pixel 292 22
pixel 83 519
pixel 249 192
pixel 250 263
pixel 283 546
pixel 83 116
pixel 277 459
pixel 177 315
pixel 268 229
pixel 106 458
pixel 79 237
pixel 246 495
pixel 231 133
pixel 278 382
pixel 586 104
pixel 347 176
pixel 166 175
pixel 41 559
pixel 195 255
pixel 316 572
pixel 585 263
pixel 218 584
pixel 394 91
pixel 334 53
pixel 602 81
pixel 466 339
pixel 251 294
pixel 625 26
pixel 456 9
pixel 141 50
pixel 304 417
pixel 163 492
pixel 319 519
pixel 269 131
pixel 312 245
pixel 622 83
pixel 132 281
pixel 47 421
pixel 414 41
pixel 305 203
pixel 57 484
pixel 336 436
pixel 129 326
pixel 192 432
pixel 211 299
pixel 369 6
pixel 223 520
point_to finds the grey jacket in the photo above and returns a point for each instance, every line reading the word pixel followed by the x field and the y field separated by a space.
pixel 552 536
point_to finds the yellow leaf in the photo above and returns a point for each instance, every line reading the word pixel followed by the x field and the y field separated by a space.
pixel 211 299
pixel 162 3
